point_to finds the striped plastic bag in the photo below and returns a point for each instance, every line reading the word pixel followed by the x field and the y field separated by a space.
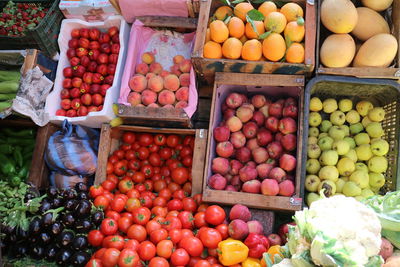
pixel 73 150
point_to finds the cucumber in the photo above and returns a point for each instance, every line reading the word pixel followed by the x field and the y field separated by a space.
pixel 8 75
pixel 5 105
pixel 7 96
pixel 8 87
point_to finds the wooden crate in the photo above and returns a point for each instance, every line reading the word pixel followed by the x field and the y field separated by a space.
pixel 366 72
pixel 110 140
pixel 206 68
pixel 277 85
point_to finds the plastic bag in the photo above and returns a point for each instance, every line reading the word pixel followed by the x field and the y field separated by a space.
pixel 73 150
pixel 66 182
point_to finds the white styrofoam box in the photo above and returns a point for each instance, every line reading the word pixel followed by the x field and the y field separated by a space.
pixel 53 101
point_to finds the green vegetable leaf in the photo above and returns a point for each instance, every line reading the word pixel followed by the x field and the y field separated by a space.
pixel 254 14
pixel 225 2
pixel 238 1
pixel 258 1
pixel 265 35
pixel 253 25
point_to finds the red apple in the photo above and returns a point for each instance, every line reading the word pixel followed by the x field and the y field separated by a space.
pixel 287 125
pixel 88 77
pixel 75 61
pixel 252 144
pixel 220 165
pixel 80 52
pixel 274 240
pixel 76 82
pixel 75 92
pixel 92 109
pixel 269 187
pixel 64 94
pixel 67 83
pixel 243 154
pixel 115 48
pixel 289 142
pixel 284 230
pixel 264 137
pixel 94 54
pixel 104 88
pixel 290 101
pixel 217 182
pixel 73 43
pixel 250 129
pixel 247 173
pixel 271 123
pixel 253 186
pixel 111 69
pixel 94 45
pixel 275 109
pixel 109 79
pixel 97 99
pixel 66 104
pixel 264 169
pixel 102 59
pixel 234 100
pixel 221 134
pixel 224 149
pixel 71 113
pixel 86 99
pixel 94 34
pixel 290 111
pixel 84 32
pixel 67 72
pixel 61 112
pixel 71 52
pixel 75 33
pixel 287 162
pixel 274 149
pixel 104 38
pixel 258 101
pixel 286 188
pixel 277 174
pixel 105 48
pixel 83 42
pixel 82 111
pixel 260 155
pixel 78 71
pixel 229 113
pixel 97 78
pixel 76 103
pixel 278 136
pixel 113 59
pixel 115 39
pixel 102 69
pixel 85 61
pixel 113 31
pixel 238 139
pixel 258 117
pixel 244 114
pixel 92 66
pixel 235 167
pixel 85 88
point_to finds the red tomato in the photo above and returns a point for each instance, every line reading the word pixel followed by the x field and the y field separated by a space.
pixel 125 147
pixel 113 241
pixel 187 187
pixel 113 159
pixel 135 145
pixel 189 204
pixel 215 215
pixel 118 204
pixel 179 148
pixel 159 211
pixel 193 261
pixel 110 257
pixel 142 153
pixel 108 226
pixel 202 207
pixel 188 140
pixel 124 223
pixel 212 260
pixel 147 170
pixel 158 235
pixel 153 148
pixel 141 215
pixel 134 164
pixel 187 161
pixel 219 265
pixel 140 187
pixel 180 257
pixel 137 232
pixel 146 201
pixel 173 164
pixel 175 204
pixel 145 139
pixel 165 171
pixel 160 139
pixel 95 191
pixel 99 254
pixel 152 226
pixel 186 233
pixel 101 202
pixel 158 262
pixel 108 185
pixel 132 244
pixel 160 201
pixel 149 185
pixel 186 219
pixel 128 137
pixel 202 263
pixel 186 151
pixel 113 215
pixel 94 263
pixel 128 258
pixel 119 153
pixel 139 177
pixel 127 214
pixel 108 195
pixel 173 186
pixel 210 237
pixel 157 176
pixel 192 245
pixel 146 250
pixel 175 235
pixel 159 185
pixel 179 194
pixel 165 153
pixel 212 252
pixel 95 238
pixel 155 159
pixel 172 140
pixel 120 168
pixel 130 154
pixel 172 222
pixel 200 219
pixel 131 204
pixel 165 193
pixel 164 248
pixel 109 168
pixel 223 230
pixel 113 178
pixel 172 213
pixel 180 175
pixel 133 193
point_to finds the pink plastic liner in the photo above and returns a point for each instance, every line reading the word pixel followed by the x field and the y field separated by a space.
pixel 138 41
pixel 134 8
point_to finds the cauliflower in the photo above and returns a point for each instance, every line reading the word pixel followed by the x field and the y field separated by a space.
pixel 336 231
pixel 284 263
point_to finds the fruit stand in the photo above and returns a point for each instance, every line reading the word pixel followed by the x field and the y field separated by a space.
pixel 200 133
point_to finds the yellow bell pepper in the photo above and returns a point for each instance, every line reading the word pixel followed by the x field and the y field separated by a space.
pixel 232 252
pixel 251 262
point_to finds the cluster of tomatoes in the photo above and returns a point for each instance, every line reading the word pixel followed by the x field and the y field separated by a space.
pixel 150 219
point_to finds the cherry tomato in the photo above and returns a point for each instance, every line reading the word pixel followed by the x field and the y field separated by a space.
pixel 165 153
pixel 101 202
pixel 124 223
pixel 186 219
pixel 165 193
pixel 110 257
pixel 180 175
pixel 215 215
pixel 134 164
pixel 158 235
pixel 113 241
pixel 175 235
pixel 94 263
pixel 109 168
pixel 118 204
pixel 128 137
pixel 223 230
pixel 146 250
pixel 131 204
pixel 133 193
pixel 95 238
pixel 113 215
pixel 95 191
pixel 130 154
pixel 158 262
pixel 113 159
pixel 137 232
pixel 180 257
pixel 160 139
pixel 145 139
pixel 187 161
pixel 172 140
pixel 108 185
pixel 128 258
pixel 210 237
pixel 132 244
pixel 159 211
pixel 141 215
pixel 202 263
pixel 179 194
pixel 138 177
pixel 172 222
pixel 187 187
pixel 164 248
pixel 108 226
pixel 119 153
pixel 175 204
pixel 155 159
pixel 192 245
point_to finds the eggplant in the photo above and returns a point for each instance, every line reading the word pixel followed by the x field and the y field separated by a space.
pixel 69 194
pixel 83 195
pixel 79 259
pixel 70 204
pixel 45 238
pixel 81 187
pixel 36 252
pixel 22 234
pixel 56 228
pixel 29 196
pixel 45 206
pixel 33 239
pixel 63 257
pixel 13 238
pixel 79 243
pixel 83 226
pixel 47 219
pixel 83 209
pixel 57 202
pixel 21 251
pixel 8 230
pixel 68 219
pixel 65 238
pixel 97 217
pixel 50 252
pixel 35 226
pixel 52 192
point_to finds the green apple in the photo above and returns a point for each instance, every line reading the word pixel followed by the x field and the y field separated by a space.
pixel 312 166
pixel 322 135
pixel 344 178
pixel 325 143
pixel 313 151
pixel 351 141
pixel 361 178
pixel 365 121
pixel 339 185
pixel 313 131
pixel 363 107
pixel 356 128
pixel 375 190
pixel 366 192
pixel 362 139
pixel 337 117
pixel 312 182
pixel 374 129
pixel 346 129
pixel 341 147
pixel 345 166
pixel 315 104
pixel 312 140
pixel 329 158
pixel 353 117
pixel 351 189
pixel 329 105
pixel 376 114
pixel 351 155
pixel 315 119
pixel 376 179
pixel 345 105
pixel 336 133
pixel 328 173
pixel 379 147
pixel 361 167
pixel 328 186
pixel 312 197
pixel 364 152
pixel 325 125
pixel 378 164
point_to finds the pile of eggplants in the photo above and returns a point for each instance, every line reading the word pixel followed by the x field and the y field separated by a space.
pixel 57 233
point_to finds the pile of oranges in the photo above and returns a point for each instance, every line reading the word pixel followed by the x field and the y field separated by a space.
pixel 232 35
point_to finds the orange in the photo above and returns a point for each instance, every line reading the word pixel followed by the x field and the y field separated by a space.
pixel 252 50
pixel 275 22
pixel 294 32
pixel 292 11
pixel 236 27
pixel 208 38
pixel 222 12
pixel 251 34
pixel 295 53
pixel 274 47
pixel 267 7
pixel 241 10
pixel 218 31
pixel 212 50
pixel 232 48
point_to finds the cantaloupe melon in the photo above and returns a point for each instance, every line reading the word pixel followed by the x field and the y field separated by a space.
pixel 378 51
pixel 369 23
pixel 339 16
pixel 377 5
pixel 338 50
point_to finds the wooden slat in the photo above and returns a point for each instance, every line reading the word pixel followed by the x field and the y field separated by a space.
pixel 310 37
pixel 169 22
pixel 102 156
pixel 258 79
pixel 199 156
pixel 30 60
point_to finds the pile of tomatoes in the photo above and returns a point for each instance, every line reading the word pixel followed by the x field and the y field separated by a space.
pixel 150 218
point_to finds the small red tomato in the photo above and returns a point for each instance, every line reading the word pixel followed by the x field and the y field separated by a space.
pixel 108 226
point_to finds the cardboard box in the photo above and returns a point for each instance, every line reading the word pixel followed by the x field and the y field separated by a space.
pixel 88 10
